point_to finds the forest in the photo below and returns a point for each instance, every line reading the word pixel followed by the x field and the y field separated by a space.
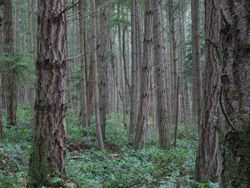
pixel 124 93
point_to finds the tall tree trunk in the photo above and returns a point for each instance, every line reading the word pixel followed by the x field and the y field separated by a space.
pixel 31 49
pixel 1 69
pixel 9 51
pixel 143 113
pixel 126 80
pixel 208 165
pixel 182 50
pixel 31 26
pixel 103 68
pixel 97 102
pixel 86 71
pixel 161 102
pixel 173 59
pixel 90 90
pixel 49 145
pixel 83 98
pixel 136 59
pixel 196 108
pixel 236 92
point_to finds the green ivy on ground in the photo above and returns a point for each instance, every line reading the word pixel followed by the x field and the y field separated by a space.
pixel 118 166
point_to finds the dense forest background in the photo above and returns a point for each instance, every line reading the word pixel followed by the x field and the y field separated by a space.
pixel 124 93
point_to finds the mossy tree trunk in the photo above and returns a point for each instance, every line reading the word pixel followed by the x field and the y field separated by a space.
pixel 1 69
pixel 49 144
pixel 236 92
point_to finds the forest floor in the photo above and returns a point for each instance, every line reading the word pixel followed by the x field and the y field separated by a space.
pixel 118 166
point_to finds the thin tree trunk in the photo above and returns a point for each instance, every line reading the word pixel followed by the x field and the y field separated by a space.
pixel 9 51
pixel 161 103
pixel 30 30
pixel 103 68
pixel 196 108
pixel 97 103
pixel 49 145
pixel 173 59
pixel 177 112
pixel 135 55
pixel 90 90
pixel 1 69
pixel 83 98
pixel 85 52
pixel 126 80
pixel 31 49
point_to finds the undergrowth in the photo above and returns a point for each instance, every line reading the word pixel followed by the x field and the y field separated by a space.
pixel 118 166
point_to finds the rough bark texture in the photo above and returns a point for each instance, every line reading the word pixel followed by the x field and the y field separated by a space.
pixel 1 69
pixel 103 68
pixel 161 102
pixel 135 55
pixel 49 145
pixel 83 93
pixel 90 90
pixel 143 113
pixel 196 109
pixel 173 60
pixel 97 102
pixel 9 52
pixel 184 101
pixel 208 163
pixel 236 92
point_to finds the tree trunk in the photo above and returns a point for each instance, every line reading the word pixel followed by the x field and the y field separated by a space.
pixel 136 57
pixel 1 69
pixel 196 108
pixel 90 90
pixel 173 60
pixel 177 112
pixel 208 165
pixel 161 102
pixel 49 146
pixel 97 102
pixel 236 92
pixel 9 51
pixel 143 113
pixel 103 68
pixel 83 98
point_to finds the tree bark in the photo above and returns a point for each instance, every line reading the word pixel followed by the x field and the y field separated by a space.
pixel 136 59
pixel 177 112
pixel 173 60
pixel 83 98
pixel 236 92
pixel 143 113
pixel 208 163
pixel 9 51
pixel 161 102
pixel 196 108
pixel 103 68
pixel 49 145
pixel 1 69
pixel 97 102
